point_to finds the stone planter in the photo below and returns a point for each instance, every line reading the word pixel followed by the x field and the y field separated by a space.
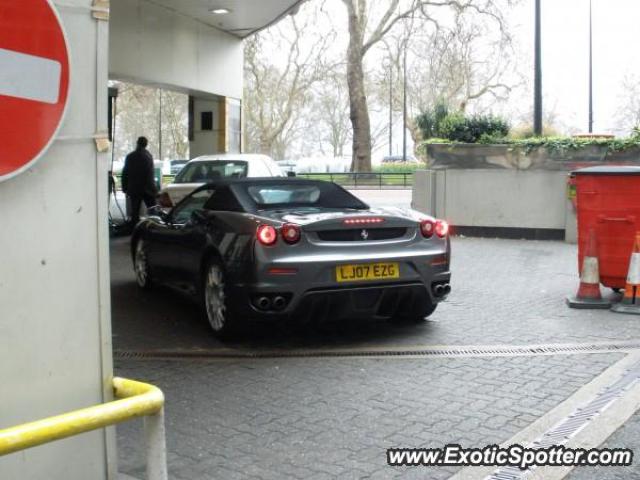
pixel 474 156
pixel 505 191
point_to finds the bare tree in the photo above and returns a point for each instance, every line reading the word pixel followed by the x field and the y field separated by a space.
pixel 366 29
pixel 138 114
pixel 463 65
pixel 628 111
pixel 275 93
pixel 552 124
pixel 379 128
pixel 175 140
pixel 331 108
pixel 457 65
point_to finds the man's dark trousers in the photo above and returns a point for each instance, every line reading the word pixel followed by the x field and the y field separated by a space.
pixel 136 202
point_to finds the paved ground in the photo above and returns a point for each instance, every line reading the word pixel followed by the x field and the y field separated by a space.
pixel 628 436
pixel 504 292
pixel 385 197
pixel 335 417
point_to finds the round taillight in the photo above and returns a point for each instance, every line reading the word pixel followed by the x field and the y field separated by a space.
pixel 290 233
pixel 266 235
pixel 427 228
pixel 442 228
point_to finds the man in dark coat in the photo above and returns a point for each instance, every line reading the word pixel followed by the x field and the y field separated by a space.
pixel 137 179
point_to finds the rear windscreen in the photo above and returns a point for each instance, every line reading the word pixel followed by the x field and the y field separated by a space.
pixel 316 194
pixel 210 171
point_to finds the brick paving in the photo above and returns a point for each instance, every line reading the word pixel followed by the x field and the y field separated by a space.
pixel 334 418
pixel 504 292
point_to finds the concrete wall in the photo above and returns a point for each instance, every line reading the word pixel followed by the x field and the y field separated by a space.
pixel 151 44
pixel 55 338
pixel 495 187
pixel 532 199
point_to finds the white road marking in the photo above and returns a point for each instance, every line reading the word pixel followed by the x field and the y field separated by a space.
pixel 29 77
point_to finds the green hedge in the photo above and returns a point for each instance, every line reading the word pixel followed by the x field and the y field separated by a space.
pixel 429 122
pixel 553 144
pixel 458 127
pixel 399 167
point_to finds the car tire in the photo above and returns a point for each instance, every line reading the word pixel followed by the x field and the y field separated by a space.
pixel 141 266
pixel 215 299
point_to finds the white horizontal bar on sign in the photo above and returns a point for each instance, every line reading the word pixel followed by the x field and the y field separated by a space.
pixel 29 77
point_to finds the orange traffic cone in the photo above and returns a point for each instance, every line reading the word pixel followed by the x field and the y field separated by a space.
pixel 588 295
pixel 631 301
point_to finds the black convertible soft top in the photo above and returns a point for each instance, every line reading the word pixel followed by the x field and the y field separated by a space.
pixel 255 194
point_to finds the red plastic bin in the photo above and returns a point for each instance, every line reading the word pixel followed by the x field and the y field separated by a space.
pixel 608 200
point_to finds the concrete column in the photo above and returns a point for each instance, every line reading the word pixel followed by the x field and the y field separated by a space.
pixel 55 337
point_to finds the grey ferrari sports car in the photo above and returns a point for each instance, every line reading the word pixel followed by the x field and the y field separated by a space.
pixel 250 248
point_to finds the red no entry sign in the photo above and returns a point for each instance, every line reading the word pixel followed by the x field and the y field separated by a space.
pixel 34 81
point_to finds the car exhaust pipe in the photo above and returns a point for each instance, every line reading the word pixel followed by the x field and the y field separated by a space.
pixel 263 303
pixel 446 289
pixel 438 290
pixel 279 303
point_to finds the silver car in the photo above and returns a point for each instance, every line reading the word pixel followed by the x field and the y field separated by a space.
pixel 284 247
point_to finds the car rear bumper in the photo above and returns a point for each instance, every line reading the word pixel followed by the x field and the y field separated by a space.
pixel 371 302
pixel 313 291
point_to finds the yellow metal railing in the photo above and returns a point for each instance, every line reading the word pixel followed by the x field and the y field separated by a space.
pixel 136 399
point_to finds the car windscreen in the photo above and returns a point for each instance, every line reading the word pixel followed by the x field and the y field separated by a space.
pixel 312 194
pixel 210 171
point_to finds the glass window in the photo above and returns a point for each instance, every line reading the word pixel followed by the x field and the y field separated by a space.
pixel 259 169
pixel 182 212
pixel 210 171
pixel 312 194
pixel 234 125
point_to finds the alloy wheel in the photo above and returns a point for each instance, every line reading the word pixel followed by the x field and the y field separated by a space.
pixel 214 297
pixel 141 265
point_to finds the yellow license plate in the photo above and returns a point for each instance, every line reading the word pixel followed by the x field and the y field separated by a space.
pixel 369 271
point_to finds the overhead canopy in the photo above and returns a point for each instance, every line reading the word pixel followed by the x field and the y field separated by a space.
pixel 244 17
pixel 183 45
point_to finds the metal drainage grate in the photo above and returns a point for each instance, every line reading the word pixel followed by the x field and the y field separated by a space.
pixel 463 351
pixel 579 419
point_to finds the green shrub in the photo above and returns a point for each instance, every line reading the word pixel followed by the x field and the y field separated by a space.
pixel 565 144
pixel 458 128
pixel 429 122
pixel 438 122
